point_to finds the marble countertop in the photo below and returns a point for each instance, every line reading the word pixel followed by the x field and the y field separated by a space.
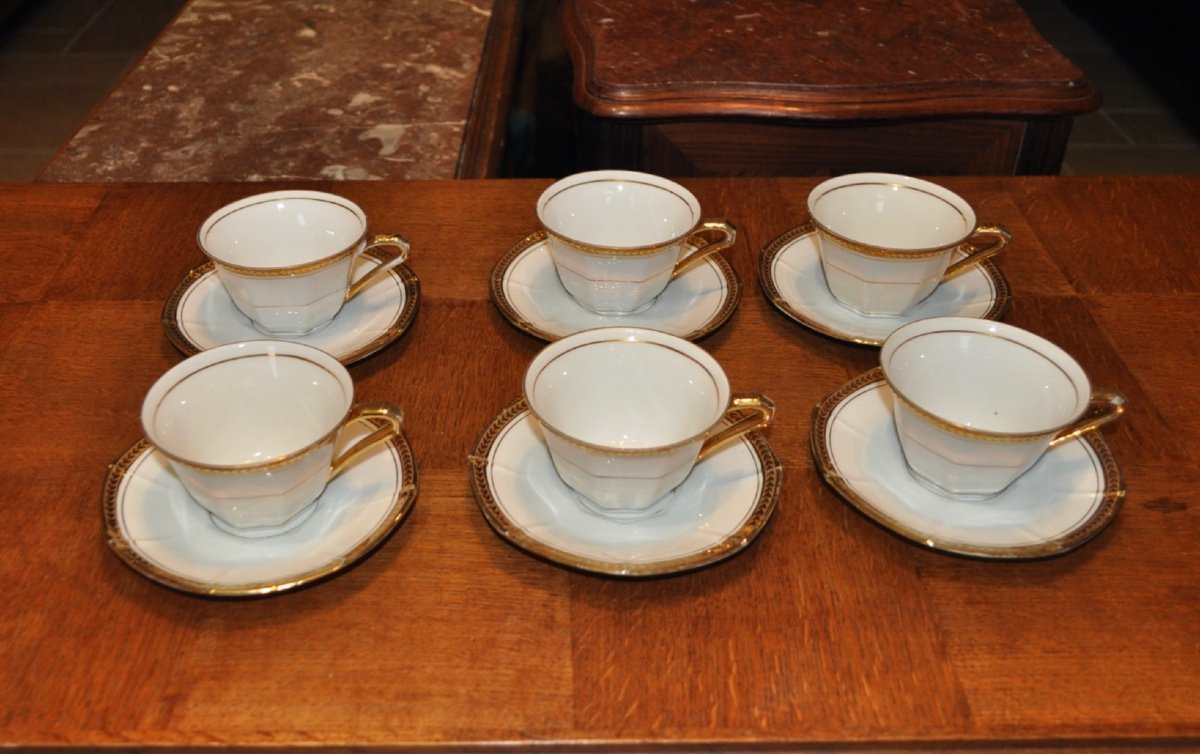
pixel 290 89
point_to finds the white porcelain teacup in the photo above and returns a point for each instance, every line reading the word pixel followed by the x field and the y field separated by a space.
pixel 286 257
pixel 619 237
pixel 250 429
pixel 978 402
pixel 628 412
pixel 887 241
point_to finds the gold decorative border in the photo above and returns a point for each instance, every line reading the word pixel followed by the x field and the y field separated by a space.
pixel 1112 494
pixel 496 290
pixel 404 497
pixel 614 251
pixel 872 250
pixel 731 544
pixel 626 251
pixel 974 433
pixel 766 260
pixel 402 272
pixel 289 270
pixel 881 253
pixel 710 367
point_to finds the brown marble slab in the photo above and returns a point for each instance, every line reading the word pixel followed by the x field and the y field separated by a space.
pixel 291 89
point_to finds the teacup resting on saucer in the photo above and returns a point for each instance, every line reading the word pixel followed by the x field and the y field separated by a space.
pixel 619 237
pixel 886 241
pixel 628 412
pixel 250 430
pixel 286 257
pixel 977 403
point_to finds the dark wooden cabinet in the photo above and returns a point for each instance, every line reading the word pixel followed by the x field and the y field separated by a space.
pixel 782 87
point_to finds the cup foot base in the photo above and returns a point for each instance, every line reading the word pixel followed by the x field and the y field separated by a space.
pixel 879 315
pixel 966 497
pixel 285 334
pixel 261 532
pixel 615 313
pixel 657 508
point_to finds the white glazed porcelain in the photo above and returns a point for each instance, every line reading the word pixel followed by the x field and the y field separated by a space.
pixel 791 277
pixel 250 429
pixel 156 528
pixel 199 314
pixel 526 289
pixel 978 402
pixel 286 256
pixel 627 412
pixel 886 240
pixel 1063 501
pixel 716 512
pixel 619 237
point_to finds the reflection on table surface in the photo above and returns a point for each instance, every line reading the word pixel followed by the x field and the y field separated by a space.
pixel 828 630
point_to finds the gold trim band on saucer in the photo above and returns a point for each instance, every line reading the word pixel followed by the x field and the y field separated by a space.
pixel 1001 292
pixel 496 288
pixel 771 482
pixel 1110 492
pixel 127 551
pixel 406 280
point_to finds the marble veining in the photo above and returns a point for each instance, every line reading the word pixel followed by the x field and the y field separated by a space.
pixel 290 89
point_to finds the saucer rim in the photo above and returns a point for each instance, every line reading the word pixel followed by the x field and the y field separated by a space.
pixel 409 283
pixel 766 279
pixel 1110 487
pixel 403 498
pixel 733 542
pixel 732 298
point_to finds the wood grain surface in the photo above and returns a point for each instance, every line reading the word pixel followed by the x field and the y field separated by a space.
pixel 828 633
pixel 816 60
pixel 780 88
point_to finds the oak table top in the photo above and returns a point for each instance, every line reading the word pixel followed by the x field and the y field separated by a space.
pixel 827 632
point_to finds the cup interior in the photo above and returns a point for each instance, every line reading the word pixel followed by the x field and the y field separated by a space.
pixel 247 409
pixel 282 229
pixel 618 209
pixel 988 382
pixel 903 214
pixel 626 393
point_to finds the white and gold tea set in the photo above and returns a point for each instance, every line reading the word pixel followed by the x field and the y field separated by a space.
pixel 628 452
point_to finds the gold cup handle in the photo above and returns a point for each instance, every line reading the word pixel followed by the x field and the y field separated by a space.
pixel 393 417
pixel 1103 407
pixel 710 237
pixel 761 410
pixel 976 254
pixel 374 242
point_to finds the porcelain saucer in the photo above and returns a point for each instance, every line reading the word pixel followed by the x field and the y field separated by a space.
pixel 1067 498
pixel 162 533
pixel 789 272
pixel 526 290
pixel 716 512
pixel 199 314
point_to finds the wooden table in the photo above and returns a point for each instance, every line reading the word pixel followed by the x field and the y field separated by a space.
pixel 965 87
pixel 827 633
